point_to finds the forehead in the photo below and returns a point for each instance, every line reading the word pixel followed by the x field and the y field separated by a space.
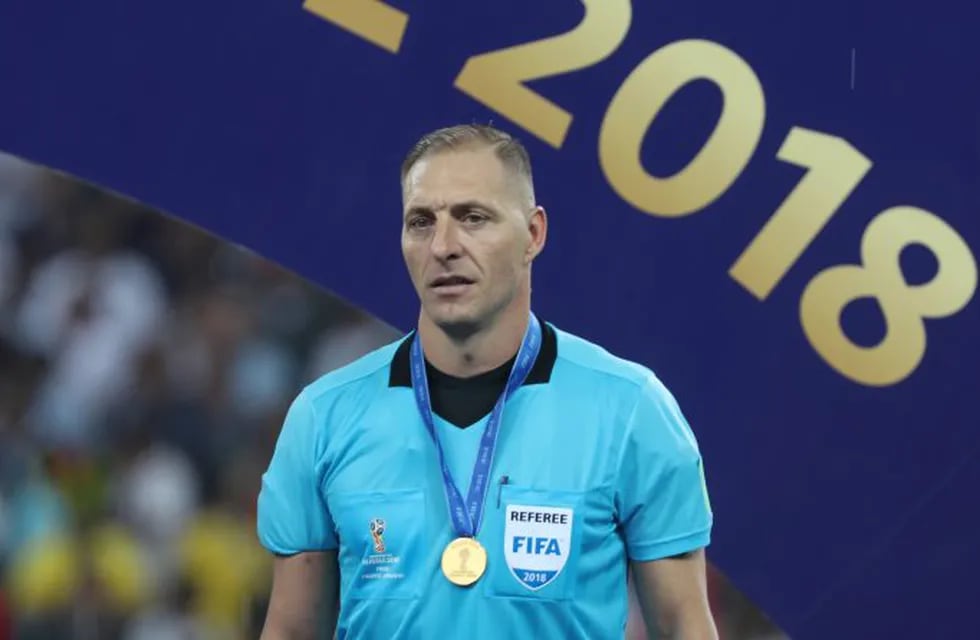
pixel 456 174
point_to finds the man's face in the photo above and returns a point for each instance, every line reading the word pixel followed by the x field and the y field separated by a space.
pixel 469 234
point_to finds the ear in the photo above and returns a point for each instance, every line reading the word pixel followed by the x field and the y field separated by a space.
pixel 537 226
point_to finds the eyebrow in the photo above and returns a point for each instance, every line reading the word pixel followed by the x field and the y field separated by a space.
pixel 455 208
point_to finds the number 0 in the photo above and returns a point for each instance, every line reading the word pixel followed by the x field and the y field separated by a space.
pixel 638 102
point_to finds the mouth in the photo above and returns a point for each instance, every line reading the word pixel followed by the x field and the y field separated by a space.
pixel 450 285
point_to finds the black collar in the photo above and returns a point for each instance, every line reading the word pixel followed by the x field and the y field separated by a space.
pixel 401 372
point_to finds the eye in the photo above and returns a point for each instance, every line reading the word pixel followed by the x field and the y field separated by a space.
pixel 418 222
pixel 474 218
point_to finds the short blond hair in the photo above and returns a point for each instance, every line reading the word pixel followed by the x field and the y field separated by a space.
pixel 507 148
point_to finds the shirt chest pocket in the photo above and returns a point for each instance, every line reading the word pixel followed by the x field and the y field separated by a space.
pixel 534 541
pixel 382 543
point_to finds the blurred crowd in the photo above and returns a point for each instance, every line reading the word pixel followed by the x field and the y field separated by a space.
pixel 145 367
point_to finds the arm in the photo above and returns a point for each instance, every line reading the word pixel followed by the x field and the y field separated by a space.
pixel 304 597
pixel 295 524
pixel 663 508
pixel 673 597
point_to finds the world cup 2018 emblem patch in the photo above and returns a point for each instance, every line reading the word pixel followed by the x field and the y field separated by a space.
pixel 377 532
pixel 379 561
pixel 537 541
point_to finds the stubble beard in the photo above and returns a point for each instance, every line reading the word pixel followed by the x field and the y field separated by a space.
pixel 460 327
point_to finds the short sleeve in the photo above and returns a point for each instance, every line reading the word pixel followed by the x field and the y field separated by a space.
pixel 661 499
pixel 292 514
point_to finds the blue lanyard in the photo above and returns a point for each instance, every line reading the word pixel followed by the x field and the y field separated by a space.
pixel 468 516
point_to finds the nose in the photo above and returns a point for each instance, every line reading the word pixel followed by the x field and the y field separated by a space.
pixel 445 241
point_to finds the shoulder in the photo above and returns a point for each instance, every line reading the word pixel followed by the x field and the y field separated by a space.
pixel 367 373
pixel 332 402
pixel 583 358
pixel 634 400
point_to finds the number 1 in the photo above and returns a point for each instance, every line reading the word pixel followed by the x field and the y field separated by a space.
pixel 372 20
pixel 835 169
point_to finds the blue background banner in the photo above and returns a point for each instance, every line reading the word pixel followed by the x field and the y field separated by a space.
pixel 707 167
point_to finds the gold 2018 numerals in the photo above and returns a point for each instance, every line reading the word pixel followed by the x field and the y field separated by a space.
pixel 834 169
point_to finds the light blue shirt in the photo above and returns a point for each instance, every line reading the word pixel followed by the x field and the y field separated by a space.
pixel 594 465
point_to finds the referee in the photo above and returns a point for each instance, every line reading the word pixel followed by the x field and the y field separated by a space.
pixel 489 475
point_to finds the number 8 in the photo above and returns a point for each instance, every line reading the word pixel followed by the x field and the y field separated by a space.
pixel 904 306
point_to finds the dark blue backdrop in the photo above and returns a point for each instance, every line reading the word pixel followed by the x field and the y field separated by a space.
pixel 843 507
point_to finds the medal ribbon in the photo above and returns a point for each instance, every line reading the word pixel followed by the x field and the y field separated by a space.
pixel 468 516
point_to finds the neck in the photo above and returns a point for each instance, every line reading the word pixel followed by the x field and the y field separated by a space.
pixel 470 353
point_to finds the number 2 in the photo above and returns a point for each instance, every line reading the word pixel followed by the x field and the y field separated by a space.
pixel 496 78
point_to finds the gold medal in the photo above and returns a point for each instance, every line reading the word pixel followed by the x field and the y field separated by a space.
pixel 464 561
